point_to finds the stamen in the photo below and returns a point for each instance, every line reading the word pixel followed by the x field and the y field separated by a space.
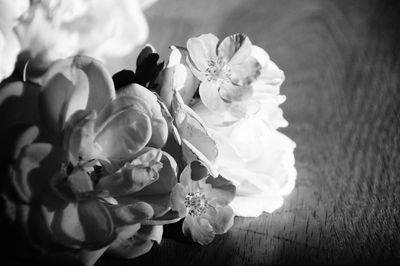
pixel 218 70
pixel 196 203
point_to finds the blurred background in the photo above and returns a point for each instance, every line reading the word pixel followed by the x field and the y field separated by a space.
pixel 341 61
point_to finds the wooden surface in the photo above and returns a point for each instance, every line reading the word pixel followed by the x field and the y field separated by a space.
pixel 341 60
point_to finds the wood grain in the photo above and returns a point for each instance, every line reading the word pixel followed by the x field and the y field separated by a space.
pixel 341 60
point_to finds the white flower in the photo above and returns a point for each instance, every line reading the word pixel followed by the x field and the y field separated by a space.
pixel 9 44
pixel 258 160
pixel 256 157
pixel 54 29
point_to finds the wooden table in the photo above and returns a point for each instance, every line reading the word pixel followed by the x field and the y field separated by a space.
pixel 341 60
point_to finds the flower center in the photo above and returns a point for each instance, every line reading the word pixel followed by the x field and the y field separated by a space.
pixel 196 203
pixel 217 70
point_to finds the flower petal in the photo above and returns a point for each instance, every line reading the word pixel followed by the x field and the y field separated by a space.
pixel 233 93
pixel 80 181
pixel 222 219
pixel 255 205
pixel 167 178
pixel 127 180
pixel 198 229
pixel 201 49
pixel 222 190
pixel 209 94
pixel 30 158
pixel 138 244
pixel 130 214
pixel 198 171
pixel 89 257
pixel 83 224
pixel 244 73
pixel 194 134
pixel 97 224
pixel 158 122
pixel 79 137
pixel 76 83
pixel 124 134
pixel 178 195
pixel 235 48
pixel 160 203
pixel 168 218
pixel 186 180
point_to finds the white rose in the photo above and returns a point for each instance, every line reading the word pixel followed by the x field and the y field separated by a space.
pixel 54 29
pixel 258 159
pixel 9 44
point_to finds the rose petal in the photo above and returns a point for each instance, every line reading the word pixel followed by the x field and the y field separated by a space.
pixel 233 93
pixel 209 94
pixel 269 111
pixel 138 244
pixel 260 55
pixel 168 218
pixel 255 205
pixel 31 222
pixel 160 203
pixel 127 180
pixel 198 171
pixel 80 181
pixel 124 134
pixel 76 83
pixel 186 180
pixel 97 224
pixel 158 122
pixel 9 43
pixel 193 134
pixel 178 195
pixel 222 191
pixel 235 48
pixel 129 248
pixel 198 229
pixel 66 227
pixel 79 137
pixel 89 257
pixel 222 219
pixel 167 178
pixel 145 52
pixel 202 49
pixel 26 138
pixel 23 175
pixel 130 214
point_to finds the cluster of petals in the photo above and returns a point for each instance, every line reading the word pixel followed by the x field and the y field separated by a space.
pixel 239 104
pixel 42 31
pixel 85 165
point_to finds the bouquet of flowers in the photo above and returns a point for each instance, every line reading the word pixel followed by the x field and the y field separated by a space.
pixel 94 163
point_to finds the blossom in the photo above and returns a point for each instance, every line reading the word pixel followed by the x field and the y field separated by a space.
pixel 226 70
pixel 10 11
pixel 238 79
pixel 203 201
pixel 202 195
pixel 239 105
pixel 89 172
pixel 58 29
pixel 257 159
